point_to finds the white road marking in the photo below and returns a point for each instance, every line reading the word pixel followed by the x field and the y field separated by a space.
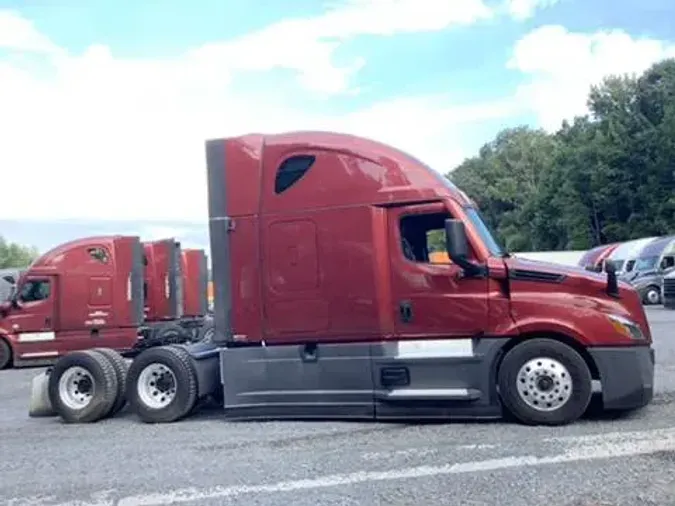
pixel 423 452
pixel 580 448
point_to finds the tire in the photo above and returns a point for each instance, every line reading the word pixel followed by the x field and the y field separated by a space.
pixel 100 380
pixel 559 366
pixel 173 365
pixel 121 369
pixel 652 296
pixel 205 333
pixel 5 354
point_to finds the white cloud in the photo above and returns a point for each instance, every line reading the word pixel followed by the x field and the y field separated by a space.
pixel 102 137
pixel 307 45
pixel 17 32
pixel 525 9
pixel 561 67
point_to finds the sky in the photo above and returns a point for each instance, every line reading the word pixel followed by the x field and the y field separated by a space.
pixel 105 105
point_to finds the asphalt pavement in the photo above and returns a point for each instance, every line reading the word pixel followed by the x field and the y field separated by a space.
pixel 207 461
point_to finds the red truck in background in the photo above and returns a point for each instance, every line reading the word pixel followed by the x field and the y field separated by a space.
pixel 108 291
pixel 595 258
pixel 175 292
pixel 196 316
pixel 327 306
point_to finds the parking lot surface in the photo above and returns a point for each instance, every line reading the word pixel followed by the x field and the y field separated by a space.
pixel 207 460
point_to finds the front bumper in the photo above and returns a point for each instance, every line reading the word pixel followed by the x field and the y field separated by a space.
pixel 626 375
pixel 669 302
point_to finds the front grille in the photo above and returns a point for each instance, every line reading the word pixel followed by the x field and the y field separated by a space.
pixel 669 288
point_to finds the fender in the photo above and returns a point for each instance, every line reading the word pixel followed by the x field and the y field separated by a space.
pixel 535 325
pixel 7 336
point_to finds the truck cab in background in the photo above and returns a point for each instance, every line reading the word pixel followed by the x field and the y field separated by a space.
pixel 80 294
pixel 668 290
pixel 8 279
pixel 175 288
pixel 110 291
pixel 195 275
pixel 654 261
pixel 595 258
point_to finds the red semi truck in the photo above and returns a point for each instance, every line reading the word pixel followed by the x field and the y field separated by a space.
pixel 175 292
pixel 110 291
pixel 326 305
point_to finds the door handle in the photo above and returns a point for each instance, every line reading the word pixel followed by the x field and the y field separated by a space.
pixel 405 311
pixel 48 321
pixel 309 352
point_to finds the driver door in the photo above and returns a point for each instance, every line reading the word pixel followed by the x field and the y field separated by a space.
pixel 33 323
pixel 432 299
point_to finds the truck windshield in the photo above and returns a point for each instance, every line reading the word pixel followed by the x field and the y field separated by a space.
pixel 646 263
pixel 485 233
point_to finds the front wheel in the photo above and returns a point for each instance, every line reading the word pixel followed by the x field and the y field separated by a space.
pixel 652 296
pixel 543 381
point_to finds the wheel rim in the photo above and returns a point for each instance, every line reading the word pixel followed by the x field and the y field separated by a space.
pixel 652 296
pixel 76 387
pixel 156 386
pixel 544 384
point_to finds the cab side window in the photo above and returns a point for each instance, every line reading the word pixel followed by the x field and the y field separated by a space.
pixel 668 262
pixel 291 171
pixel 35 290
pixel 99 254
pixel 423 238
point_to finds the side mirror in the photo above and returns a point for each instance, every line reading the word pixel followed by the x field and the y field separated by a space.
pixel 4 308
pixel 455 240
pixel 14 298
pixel 457 245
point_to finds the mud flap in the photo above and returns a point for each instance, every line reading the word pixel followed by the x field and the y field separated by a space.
pixel 40 406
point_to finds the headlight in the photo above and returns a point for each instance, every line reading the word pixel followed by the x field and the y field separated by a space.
pixel 626 327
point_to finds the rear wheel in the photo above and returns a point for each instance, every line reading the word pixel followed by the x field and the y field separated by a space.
pixel 83 387
pixel 162 384
pixel 121 369
pixel 543 381
pixel 5 354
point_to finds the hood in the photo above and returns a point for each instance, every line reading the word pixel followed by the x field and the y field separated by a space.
pixel 547 271
pixel 576 280
pixel 545 287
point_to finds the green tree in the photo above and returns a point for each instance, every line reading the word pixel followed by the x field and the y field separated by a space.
pixel 506 180
pixel 604 177
pixel 14 255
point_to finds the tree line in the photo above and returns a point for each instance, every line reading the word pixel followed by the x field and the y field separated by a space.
pixel 604 177
pixel 13 255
